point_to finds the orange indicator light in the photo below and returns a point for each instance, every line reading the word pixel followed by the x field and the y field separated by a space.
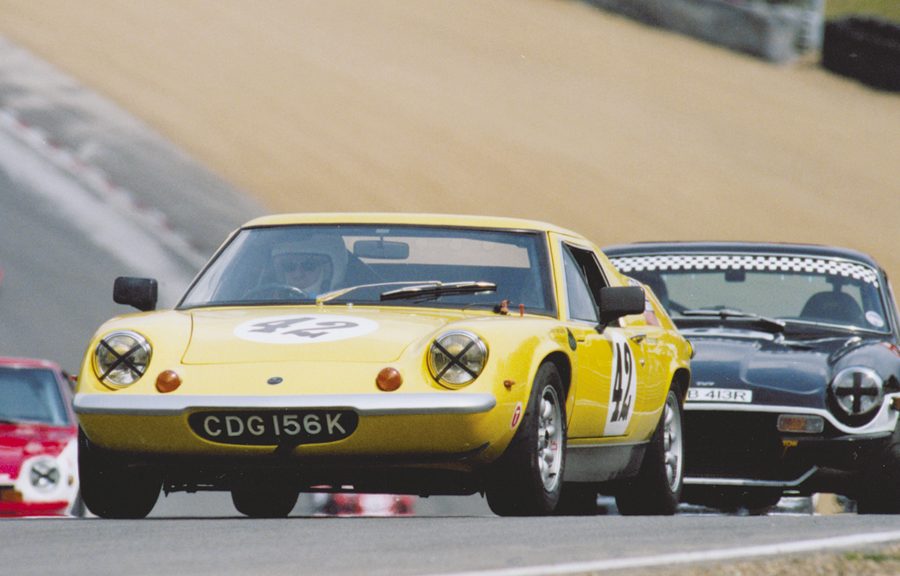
pixel 800 423
pixel 389 379
pixel 168 381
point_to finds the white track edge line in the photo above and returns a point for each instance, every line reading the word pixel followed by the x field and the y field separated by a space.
pixel 687 557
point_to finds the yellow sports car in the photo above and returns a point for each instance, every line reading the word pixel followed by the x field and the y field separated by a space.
pixel 389 353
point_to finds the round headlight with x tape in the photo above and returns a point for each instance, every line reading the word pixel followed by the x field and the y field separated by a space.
pixel 858 392
pixel 121 358
pixel 45 474
pixel 456 358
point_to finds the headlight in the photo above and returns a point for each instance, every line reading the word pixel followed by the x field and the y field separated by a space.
pixel 45 474
pixel 121 358
pixel 455 359
pixel 857 391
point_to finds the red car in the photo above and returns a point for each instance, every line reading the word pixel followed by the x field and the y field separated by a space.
pixel 38 440
pixel 349 504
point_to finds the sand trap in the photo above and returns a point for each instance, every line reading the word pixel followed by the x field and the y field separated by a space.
pixel 548 109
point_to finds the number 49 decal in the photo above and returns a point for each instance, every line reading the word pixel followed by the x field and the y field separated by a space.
pixel 621 388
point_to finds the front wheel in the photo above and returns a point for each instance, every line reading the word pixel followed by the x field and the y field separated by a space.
pixel 656 490
pixel 880 493
pixel 112 487
pixel 527 479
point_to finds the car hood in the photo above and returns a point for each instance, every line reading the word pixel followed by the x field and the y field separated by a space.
pixel 323 334
pixel 777 370
pixel 21 441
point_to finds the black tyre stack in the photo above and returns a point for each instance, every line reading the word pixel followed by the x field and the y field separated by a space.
pixel 864 48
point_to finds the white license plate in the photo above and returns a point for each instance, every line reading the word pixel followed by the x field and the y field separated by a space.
pixel 719 395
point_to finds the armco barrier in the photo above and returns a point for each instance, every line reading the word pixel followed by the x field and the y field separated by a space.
pixel 867 49
pixel 775 32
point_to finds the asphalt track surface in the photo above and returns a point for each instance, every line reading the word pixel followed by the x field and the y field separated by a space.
pixel 61 244
pixel 418 545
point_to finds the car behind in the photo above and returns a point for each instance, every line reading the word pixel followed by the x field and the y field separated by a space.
pixel 38 440
pixel 796 370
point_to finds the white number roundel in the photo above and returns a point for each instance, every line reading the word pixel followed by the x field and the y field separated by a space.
pixel 304 328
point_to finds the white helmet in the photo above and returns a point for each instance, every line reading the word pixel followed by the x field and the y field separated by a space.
pixel 329 245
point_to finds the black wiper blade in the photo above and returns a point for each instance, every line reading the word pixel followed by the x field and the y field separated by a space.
pixel 340 292
pixel 726 313
pixel 438 289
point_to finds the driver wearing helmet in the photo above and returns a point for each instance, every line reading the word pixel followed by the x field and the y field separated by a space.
pixel 314 265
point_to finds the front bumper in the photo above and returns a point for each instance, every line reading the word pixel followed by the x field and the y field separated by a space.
pixel 745 449
pixel 406 427
pixel 12 503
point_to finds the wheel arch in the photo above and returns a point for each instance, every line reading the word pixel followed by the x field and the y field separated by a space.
pixel 681 381
pixel 564 366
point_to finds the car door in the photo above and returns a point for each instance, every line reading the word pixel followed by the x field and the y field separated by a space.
pixel 606 368
pixel 653 354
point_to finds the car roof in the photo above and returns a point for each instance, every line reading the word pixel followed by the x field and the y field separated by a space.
pixel 776 248
pixel 398 218
pixel 13 362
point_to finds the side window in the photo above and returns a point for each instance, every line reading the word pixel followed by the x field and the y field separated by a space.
pixel 891 304
pixel 583 279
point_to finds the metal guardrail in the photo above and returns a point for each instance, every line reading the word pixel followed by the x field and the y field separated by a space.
pixel 777 31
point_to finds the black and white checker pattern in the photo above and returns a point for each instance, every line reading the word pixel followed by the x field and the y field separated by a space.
pixel 627 264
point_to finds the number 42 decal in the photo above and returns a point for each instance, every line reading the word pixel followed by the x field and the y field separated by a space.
pixel 621 388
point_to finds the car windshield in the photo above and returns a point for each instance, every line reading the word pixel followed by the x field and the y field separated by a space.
pixel 762 289
pixel 31 395
pixel 377 264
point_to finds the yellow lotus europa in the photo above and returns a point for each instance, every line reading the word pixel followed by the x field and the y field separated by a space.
pixel 389 353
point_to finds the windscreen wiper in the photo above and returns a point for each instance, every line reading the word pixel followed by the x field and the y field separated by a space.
pixel 726 313
pixel 329 296
pixel 437 289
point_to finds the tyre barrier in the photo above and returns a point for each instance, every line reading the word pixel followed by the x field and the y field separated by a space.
pixel 864 48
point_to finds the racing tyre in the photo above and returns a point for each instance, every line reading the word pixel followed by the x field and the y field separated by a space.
pixel 880 493
pixel 264 499
pixel 527 479
pixel 760 502
pixel 656 490
pixel 757 502
pixel 577 500
pixel 113 488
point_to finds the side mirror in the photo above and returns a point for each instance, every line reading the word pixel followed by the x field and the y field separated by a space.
pixel 138 292
pixel 618 301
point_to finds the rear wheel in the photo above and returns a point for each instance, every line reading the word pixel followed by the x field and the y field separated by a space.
pixel 577 500
pixel 527 479
pixel 113 487
pixel 656 490
pixel 264 498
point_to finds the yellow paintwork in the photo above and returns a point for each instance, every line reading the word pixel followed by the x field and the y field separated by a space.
pixel 200 345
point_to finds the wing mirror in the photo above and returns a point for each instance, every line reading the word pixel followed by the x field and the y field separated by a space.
pixel 138 292
pixel 618 301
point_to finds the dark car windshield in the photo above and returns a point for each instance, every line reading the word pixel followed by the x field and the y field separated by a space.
pixel 794 289
pixel 340 264
pixel 31 395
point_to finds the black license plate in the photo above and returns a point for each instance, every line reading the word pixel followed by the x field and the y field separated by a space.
pixel 274 427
